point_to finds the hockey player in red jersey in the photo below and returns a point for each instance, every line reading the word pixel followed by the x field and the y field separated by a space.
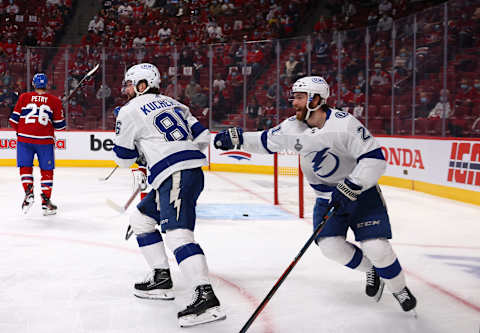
pixel 35 117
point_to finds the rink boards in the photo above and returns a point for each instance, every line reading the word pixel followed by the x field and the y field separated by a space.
pixel 447 167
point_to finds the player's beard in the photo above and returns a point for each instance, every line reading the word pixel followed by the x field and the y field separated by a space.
pixel 301 114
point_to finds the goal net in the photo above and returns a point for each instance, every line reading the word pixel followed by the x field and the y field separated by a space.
pixel 291 191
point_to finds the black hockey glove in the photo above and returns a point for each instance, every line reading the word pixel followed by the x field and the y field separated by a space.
pixel 141 161
pixel 228 139
pixel 344 194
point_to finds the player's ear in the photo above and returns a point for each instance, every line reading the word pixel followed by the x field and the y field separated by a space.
pixel 315 101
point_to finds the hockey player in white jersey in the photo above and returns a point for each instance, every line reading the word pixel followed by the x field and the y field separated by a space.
pixel 342 162
pixel 170 139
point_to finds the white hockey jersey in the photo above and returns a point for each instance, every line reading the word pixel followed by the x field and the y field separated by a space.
pixel 342 148
pixel 164 131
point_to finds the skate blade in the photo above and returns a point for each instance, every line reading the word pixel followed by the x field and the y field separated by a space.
pixel 163 294
pixel 49 212
pixel 210 315
pixel 379 294
pixel 25 209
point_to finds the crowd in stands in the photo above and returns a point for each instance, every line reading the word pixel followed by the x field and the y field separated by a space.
pixel 392 55
pixel 156 31
pixel 26 24
pixel 397 79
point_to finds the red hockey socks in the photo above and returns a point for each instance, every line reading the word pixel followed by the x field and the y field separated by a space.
pixel 26 175
pixel 47 182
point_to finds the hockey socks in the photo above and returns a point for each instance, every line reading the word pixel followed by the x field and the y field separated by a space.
pixel 26 175
pixel 47 182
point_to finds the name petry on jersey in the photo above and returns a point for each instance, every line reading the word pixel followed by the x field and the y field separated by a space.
pixel 162 130
pixel 36 116
pixel 342 148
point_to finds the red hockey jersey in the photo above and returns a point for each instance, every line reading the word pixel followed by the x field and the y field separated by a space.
pixel 36 116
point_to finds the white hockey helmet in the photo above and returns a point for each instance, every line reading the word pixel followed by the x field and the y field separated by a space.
pixel 143 72
pixel 312 85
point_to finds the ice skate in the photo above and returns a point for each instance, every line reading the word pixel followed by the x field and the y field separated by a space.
pixel 374 286
pixel 48 207
pixel 28 201
pixel 406 299
pixel 157 286
pixel 204 308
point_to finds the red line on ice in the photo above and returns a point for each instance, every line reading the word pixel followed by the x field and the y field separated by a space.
pixel 430 284
pixel 249 297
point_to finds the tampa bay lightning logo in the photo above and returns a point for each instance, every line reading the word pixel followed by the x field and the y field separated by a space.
pixel 325 163
pixel 341 114
pixel 318 80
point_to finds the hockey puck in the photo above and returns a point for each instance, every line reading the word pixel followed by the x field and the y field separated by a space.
pixel 245 214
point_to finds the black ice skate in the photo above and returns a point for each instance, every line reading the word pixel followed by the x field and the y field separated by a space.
pixel 47 206
pixel 374 286
pixel 204 308
pixel 157 286
pixel 29 199
pixel 406 299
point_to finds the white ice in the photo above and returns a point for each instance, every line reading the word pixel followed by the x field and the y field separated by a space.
pixel 74 272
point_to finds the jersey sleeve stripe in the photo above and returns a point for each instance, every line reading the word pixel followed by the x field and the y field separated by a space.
pixel 376 153
pixel 264 141
pixel 172 159
pixel 59 125
pixel 15 117
pixel 197 129
pixel 125 153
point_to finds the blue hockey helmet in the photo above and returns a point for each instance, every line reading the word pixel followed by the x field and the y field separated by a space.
pixel 40 81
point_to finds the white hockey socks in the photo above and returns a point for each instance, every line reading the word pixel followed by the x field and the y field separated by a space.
pixel 345 253
pixel 152 247
pixel 386 263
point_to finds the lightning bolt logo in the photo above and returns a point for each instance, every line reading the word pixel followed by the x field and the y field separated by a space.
pixel 175 192
pixel 318 159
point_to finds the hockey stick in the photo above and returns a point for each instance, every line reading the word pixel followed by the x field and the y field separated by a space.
pixel 122 209
pixel 277 285
pixel 79 85
pixel 109 175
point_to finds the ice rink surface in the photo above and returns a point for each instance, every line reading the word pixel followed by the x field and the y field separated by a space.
pixel 74 272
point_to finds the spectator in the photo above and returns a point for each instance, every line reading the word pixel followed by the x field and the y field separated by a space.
pixel 191 89
pixel 378 78
pixel 96 25
pixel 465 94
pixel 444 105
pixel 403 62
pixel 30 39
pixel 139 41
pixel 424 106
pixel 164 32
pixel 360 82
pixel 199 100
pixel 384 7
pixel 253 108
pixel 385 23
pixel 291 66
pixel 372 19
pixel 105 92
pixel 219 82
pixel 321 25
pixel 321 50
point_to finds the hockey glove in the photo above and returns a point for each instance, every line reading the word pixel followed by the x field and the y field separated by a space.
pixel 344 194
pixel 141 162
pixel 140 178
pixel 228 139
